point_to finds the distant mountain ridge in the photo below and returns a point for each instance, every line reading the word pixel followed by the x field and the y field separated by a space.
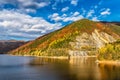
pixel 12 41
pixel 80 38
pixel 113 22
pixel 8 45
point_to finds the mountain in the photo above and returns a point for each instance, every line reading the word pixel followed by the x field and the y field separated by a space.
pixel 8 45
pixel 80 38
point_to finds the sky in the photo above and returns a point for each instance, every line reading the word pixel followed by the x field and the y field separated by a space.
pixel 29 19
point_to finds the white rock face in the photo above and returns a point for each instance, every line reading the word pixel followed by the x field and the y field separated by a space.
pixel 89 43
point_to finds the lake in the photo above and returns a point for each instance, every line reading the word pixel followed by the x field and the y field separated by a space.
pixel 36 68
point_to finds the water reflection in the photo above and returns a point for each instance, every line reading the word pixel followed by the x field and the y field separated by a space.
pixel 36 68
pixel 13 61
pixel 81 68
pixel 85 68
pixel 109 71
pixel 58 68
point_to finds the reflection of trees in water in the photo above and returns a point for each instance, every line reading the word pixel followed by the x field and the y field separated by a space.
pixel 82 68
pixel 63 70
pixel 60 68
pixel 109 71
pixel 42 61
pixel 85 68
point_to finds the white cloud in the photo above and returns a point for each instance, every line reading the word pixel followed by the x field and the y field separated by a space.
pixel 73 18
pixel 29 10
pixel 64 15
pixel 55 17
pixel 32 3
pixel 42 4
pixel 95 19
pixel 65 18
pixel 65 9
pixel 76 13
pixel 106 12
pixel 26 5
pixel 74 2
pixel 14 24
pixel 90 13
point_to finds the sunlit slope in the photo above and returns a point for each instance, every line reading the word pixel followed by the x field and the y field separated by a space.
pixel 110 51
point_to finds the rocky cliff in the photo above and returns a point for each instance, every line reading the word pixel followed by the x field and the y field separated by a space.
pixel 88 44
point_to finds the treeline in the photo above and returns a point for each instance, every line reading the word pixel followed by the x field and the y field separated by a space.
pixel 110 52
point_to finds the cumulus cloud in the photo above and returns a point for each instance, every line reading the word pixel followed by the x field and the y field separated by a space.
pixel 65 18
pixel 14 24
pixel 26 5
pixel 65 9
pixel 106 12
pixel 73 18
pixel 76 13
pixel 74 2
pixel 55 17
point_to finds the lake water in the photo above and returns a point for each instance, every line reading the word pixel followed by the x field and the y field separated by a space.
pixel 33 68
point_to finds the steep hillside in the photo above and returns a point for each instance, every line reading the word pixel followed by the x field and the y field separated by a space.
pixel 111 51
pixel 8 45
pixel 82 37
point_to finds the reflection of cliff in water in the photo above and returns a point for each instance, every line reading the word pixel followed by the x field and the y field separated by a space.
pixel 83 60
pixel 109 71
pixel 85 68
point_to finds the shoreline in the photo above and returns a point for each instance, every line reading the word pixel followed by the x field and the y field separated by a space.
pixel 54 57
pixel 108 62
pixel 72 57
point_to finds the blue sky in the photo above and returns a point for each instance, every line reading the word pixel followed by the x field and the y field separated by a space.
pixel 29 19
